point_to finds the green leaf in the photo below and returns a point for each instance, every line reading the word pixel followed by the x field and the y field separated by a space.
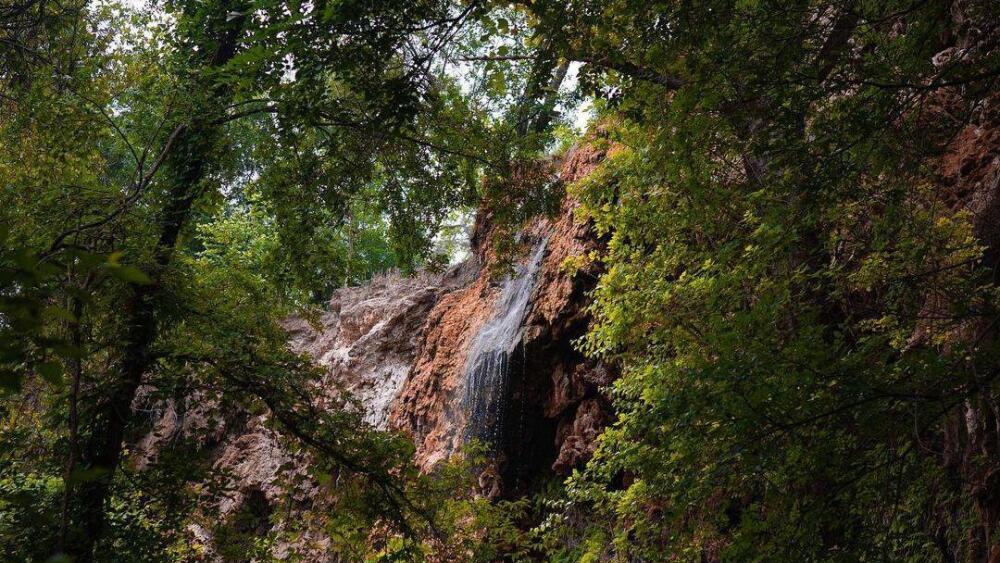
pixel 68 350
pixel 131 274
pixel 88 260
pixel 55 312
pixel 51 371
pixel 48 269
pixel 86 475
pixel 25 260
pixel 10 380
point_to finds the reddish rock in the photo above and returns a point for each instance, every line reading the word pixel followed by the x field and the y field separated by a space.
pixel 554 377
pixel 427 408
pixel 399 346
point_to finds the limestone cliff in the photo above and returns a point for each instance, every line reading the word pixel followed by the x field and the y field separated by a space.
pixel 401 346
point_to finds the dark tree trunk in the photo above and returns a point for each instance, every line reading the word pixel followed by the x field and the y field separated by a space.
pixel 536 106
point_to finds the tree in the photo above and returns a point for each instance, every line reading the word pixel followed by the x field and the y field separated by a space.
pixel 801 301
pixel 135 154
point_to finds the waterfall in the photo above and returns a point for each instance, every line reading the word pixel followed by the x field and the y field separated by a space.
pixel 487 374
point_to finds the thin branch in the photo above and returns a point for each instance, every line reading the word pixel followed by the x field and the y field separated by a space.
pixel 497 58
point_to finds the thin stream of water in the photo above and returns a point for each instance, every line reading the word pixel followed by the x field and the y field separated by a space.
pixel 487 376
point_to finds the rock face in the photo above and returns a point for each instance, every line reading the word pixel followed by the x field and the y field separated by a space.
pixel 427 406
pixel 969 178
pixel 542 407
pixel 411 351
pixel 369 336
pixel 367 341
pixel 572 396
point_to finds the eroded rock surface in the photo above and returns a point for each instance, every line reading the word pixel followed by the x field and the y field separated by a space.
pixel 369 336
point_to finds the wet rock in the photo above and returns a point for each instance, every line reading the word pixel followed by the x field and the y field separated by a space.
pixel 547 378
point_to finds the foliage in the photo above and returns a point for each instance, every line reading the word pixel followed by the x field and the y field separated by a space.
pixel 800 309
pixel 170 194
pixel 774 235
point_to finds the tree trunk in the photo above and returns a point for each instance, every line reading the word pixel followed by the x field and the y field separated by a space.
pixel 186 166
pixel 536 105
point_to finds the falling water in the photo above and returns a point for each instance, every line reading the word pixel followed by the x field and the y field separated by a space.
pixel 488 365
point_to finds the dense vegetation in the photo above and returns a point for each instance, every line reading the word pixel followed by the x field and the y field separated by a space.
pixel 802 304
